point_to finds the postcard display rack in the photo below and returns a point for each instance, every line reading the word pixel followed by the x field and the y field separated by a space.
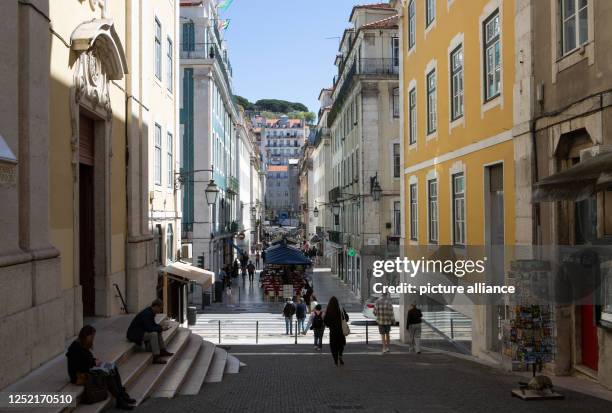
pixel 529 329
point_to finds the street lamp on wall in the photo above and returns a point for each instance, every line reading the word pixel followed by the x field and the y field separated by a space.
pixel 336 209
pixel 315 212
pixel 253 212
pixel 212 192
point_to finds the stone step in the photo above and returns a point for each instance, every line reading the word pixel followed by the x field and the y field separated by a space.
pixel 110 345
pixel 152 375
pixel 232 366
pixel 217 367
pixel 172 381
pixel 130 370
pixel 195 377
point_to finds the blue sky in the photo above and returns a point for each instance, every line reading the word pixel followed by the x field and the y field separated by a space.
pixel 279 50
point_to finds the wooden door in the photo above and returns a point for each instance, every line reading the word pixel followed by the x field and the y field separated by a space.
pixel 589 345
pixel 86 215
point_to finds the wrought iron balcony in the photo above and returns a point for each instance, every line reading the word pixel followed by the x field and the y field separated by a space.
pixel 209 51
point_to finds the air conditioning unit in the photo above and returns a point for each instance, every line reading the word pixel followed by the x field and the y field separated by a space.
pixel 186 251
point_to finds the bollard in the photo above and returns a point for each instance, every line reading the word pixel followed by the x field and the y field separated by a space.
pixel 219 331
pixel 256 332
pixel 296 334
pixel 452 330
pixel 367 332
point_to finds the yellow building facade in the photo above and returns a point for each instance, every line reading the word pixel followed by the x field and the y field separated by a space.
pixel 457 106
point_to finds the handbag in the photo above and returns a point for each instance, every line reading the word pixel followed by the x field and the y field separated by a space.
pixel 96 389
pixel 345 327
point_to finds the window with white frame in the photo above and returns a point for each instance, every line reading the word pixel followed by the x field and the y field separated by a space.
pixel 158 154
pixel 396 160
pixel 432 209
pixel 396 102
pixel 170 160
pixel 397 218
pixel 170 68
pixel 412 116
pixel 170 243
pixel 492 56
pixel 430 12
pixel 574 24
pixel 458 209
pixel 411 24
pixel 456 66
pixel 158 49
pixel 413 213
pixel 432 110
pixel 395 50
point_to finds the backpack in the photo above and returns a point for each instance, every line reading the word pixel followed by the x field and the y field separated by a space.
pixel 317 321
pixel 289 310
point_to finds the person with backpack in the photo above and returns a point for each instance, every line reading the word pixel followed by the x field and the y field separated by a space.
pixel 288 312
pixel 317 326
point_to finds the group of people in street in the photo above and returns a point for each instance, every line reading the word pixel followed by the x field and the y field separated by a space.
pixel 100 377
pixel 383 310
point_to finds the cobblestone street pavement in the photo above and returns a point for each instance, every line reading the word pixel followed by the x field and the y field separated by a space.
pixel 303 381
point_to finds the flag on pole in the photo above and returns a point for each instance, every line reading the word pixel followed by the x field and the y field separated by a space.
pixel 224 4
pixel 224 24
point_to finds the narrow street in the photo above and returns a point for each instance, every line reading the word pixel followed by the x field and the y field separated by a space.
pixel 282 376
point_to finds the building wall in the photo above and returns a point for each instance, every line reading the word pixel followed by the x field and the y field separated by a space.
pixel 480 138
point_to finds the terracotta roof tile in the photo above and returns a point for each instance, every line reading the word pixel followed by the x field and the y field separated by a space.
pixel 388 23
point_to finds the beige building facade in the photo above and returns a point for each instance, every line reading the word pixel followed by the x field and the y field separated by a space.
pixel 77 116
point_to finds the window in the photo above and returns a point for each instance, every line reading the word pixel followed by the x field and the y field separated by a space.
pixel 413 212
pixel 458 209
pixel 170 70
pixel 431 102
pixel 492 57
pixel 396 160
pixel 395 51
pixel 158 154
pixel 158 47
pixel 396 102
pixel 157 237
pixel 432 207
pixel 170 161
pixel 411 24
pixel 430 12
pixel 169 243
pixel 188 37
pixel 457 83
pixel 412 116
pixel 574 24
pixel 397 218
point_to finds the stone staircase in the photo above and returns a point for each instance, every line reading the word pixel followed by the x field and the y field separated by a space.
pixel 195 362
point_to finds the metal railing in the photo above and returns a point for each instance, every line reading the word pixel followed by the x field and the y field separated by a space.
pixel 207 51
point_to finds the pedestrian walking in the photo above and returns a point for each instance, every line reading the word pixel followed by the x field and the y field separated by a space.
pixel 251 270
pixel 288 312
pixel 257 260
pixel 263 256
pixel 413 324
pixel 383 310
pixel 300 314
pixel 334 317
pixel 317 326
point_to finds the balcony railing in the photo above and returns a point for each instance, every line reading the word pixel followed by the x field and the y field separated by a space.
pixel 207 51
pixel 360 67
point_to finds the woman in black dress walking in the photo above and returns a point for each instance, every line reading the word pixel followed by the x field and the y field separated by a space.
pixel 333 320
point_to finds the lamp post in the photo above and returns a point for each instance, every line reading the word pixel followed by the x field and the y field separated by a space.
pixel 315 212
pixel 375 188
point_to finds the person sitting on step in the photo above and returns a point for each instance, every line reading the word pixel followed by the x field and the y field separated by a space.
pixel 145 332
pixel 81 363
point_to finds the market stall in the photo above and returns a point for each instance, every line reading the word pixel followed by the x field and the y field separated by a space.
pixel 283 275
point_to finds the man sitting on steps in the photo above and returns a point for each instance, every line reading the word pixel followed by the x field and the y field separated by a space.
pixel 143 330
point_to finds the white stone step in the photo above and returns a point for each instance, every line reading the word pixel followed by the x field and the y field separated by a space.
pixel 173 380
pixel 152 375
pixel 130 370
pixel 217 368
pixel 195 377
pixel 232 366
